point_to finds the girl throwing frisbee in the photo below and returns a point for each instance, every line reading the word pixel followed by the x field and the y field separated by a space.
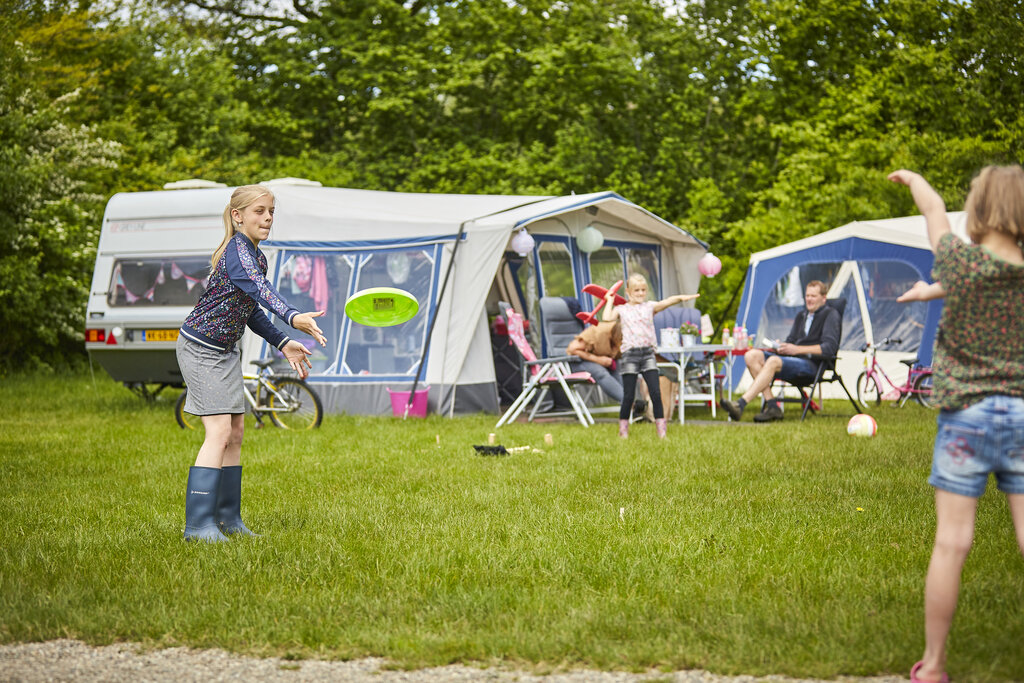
pixel 211 365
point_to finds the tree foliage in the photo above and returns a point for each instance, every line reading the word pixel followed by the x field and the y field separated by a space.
pixel 749 123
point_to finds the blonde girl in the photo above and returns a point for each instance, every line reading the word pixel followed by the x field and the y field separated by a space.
pixel 638 343
pixel 211 366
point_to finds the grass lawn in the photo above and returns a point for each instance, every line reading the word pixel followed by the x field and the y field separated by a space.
pixel 788 548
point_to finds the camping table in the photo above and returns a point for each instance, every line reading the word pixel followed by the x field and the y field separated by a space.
pixel 679 356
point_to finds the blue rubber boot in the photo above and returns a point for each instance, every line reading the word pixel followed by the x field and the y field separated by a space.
pixel 229 502
pixel 201 504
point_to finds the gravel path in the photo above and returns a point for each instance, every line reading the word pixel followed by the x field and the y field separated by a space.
pixel 72 660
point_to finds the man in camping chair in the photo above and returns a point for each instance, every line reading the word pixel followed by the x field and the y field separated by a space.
pixel 815 331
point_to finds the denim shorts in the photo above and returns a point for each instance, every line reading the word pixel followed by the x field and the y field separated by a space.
pixel 970 443
pixel 795 370
pixel 638 360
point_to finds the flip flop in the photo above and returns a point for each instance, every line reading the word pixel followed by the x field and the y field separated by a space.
pixel 914 679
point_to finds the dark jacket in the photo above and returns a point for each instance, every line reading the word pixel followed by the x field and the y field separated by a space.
pixel 825 330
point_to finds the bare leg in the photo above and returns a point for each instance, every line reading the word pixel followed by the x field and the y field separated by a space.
pixel 763 370
pixel 954 534
pixel 223 440
pixel 1016 501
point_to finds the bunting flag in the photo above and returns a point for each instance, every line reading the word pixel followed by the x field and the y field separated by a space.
pixel 176 274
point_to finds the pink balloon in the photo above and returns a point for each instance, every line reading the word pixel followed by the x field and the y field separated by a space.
pixel 709 265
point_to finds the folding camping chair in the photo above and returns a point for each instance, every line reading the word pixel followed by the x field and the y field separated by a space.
pixel 826 374
pixel 540 374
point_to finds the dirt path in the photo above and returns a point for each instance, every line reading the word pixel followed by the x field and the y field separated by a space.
pixel 72 660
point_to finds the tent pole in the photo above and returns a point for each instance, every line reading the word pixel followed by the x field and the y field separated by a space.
pixel 725 311
pixel 433 319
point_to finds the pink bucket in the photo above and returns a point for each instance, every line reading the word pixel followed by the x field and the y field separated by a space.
pixel 399 399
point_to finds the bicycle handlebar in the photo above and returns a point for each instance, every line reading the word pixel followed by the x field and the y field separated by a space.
pixel 885 342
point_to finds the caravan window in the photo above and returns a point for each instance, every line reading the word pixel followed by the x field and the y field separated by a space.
pixel 158 281
pixel 320 280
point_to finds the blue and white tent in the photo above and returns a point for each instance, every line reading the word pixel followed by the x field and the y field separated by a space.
pixel 870 263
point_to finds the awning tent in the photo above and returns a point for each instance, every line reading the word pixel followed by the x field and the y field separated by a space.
pixel 327 243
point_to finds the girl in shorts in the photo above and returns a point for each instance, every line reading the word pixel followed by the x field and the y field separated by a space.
pixel 638 343
pixel 211 366
pixel 979 380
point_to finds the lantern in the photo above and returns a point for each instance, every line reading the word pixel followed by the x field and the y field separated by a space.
pixel 522 243
pixel 709 265
pixel 589 240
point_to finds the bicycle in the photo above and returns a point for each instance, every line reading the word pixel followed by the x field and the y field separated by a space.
pixel 869 384
pixel 290 402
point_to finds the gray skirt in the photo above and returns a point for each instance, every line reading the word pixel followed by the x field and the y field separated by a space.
pixel 213 378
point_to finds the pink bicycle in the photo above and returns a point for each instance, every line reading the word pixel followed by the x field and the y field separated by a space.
pixel 870 387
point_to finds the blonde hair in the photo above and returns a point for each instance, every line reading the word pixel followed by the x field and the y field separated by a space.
pixel 634 280
pixel 996 202
pixel 241 198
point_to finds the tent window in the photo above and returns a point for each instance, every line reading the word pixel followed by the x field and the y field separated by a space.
pixel 610 264
pixel 324 281
pixel 556 269
pixel 645 262
pixel 158 282
pixel 883 281
pixel 606 267
pixel 316 281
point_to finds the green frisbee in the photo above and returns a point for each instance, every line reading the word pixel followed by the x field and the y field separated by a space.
pixel 381 306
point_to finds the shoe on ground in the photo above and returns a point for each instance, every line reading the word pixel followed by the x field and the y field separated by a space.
pixel 771 412
pixel 915 679
pixel 734 410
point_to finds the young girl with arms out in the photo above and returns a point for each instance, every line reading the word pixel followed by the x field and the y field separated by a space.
pixel 638 343
pixel 211 366
pixel 979 380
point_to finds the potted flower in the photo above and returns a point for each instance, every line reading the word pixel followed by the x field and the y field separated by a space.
pixel 689 333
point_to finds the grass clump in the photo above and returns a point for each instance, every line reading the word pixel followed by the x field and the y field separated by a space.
pixel 786 548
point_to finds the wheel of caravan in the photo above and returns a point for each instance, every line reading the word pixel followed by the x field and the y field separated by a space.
pixel 185 420
pixel 295 405
pixel 868 391
pixel 923 390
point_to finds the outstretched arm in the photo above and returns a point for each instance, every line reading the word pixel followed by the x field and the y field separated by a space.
pixel 922 291
pixel 673 300
pixel 928 201
pixel 611 313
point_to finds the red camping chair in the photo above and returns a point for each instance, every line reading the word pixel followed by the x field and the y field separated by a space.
pixel 540 374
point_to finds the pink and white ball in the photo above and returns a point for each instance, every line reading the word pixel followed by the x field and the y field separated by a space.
pixel 861 425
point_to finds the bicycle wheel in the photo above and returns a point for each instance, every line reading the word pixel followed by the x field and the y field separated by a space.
pixel 868 390
pixel 295 405
pixel 923 389
pixel 185 420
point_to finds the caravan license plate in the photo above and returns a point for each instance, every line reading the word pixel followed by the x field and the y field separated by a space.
pixel 159 335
